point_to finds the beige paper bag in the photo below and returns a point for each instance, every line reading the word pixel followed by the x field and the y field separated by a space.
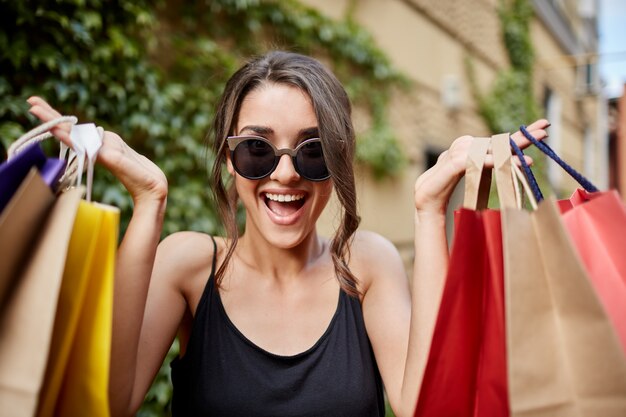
pixel 27 321
pixel 564 358
pixel 20 223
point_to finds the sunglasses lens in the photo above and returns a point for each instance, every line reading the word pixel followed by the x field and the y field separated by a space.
pixel 254 158
pixel 310 161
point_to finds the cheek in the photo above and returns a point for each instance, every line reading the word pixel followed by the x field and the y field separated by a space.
pixel 246 189
pixel 325 191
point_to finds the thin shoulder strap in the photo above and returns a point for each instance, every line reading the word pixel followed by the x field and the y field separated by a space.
pixel 214 257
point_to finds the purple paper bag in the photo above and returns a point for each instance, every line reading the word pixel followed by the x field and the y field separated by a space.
pixel 13 171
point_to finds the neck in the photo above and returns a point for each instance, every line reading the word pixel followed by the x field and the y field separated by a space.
pixel 276 262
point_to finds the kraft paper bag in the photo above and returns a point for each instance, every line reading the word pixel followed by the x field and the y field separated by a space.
pixel 539 384
pixel 564 358
pixel 20 224
pixel 597 362
pixel 28 318
pixel 596 223
pixel 77 376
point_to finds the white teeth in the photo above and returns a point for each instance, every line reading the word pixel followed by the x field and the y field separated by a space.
pixel 284 197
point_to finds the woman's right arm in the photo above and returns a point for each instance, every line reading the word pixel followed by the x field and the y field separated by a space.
pixel 432 194
pixel 138 345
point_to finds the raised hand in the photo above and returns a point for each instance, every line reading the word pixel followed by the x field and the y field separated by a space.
pixel 434 187
pixel 141 177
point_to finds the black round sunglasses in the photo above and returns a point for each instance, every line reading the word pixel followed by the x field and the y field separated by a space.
pixel 255 157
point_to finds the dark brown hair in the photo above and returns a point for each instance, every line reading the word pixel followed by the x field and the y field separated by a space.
pixel 333 111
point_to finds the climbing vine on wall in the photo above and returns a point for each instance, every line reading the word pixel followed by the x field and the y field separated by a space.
pixel 510 101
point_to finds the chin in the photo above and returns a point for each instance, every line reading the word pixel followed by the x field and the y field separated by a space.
pixel 288 240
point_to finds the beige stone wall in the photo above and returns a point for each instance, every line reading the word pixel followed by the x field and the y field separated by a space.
pixel 430 42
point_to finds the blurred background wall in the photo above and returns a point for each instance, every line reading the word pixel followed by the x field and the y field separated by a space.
pixel 432 43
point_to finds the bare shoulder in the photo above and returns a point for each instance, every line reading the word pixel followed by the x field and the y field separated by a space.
pixel 366 241
pixel 374 257
pixel 186 246
pixel 183 255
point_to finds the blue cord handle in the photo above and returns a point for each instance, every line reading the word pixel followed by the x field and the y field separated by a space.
pixel 532 181
pixel 545 148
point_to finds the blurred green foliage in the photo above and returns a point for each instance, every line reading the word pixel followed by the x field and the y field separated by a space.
pixel 153 71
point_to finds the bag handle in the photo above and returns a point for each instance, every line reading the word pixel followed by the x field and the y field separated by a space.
pixel 477 182
pixel 520 178
pixel 40 133
pixel 508 176
pixel 546 149
pixel 86 139
pixel 503 171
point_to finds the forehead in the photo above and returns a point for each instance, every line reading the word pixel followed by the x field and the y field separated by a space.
pixel 282 108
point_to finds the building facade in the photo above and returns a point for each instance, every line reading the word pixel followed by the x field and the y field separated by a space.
pixel 431 42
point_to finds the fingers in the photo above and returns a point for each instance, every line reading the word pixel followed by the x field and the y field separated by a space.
pixel 44 112
pixel 39 102
pixel 489 162
pixel 538 124
pixel 537 129
pixel 518 162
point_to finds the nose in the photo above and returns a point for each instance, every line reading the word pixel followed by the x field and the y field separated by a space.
pixel 285 172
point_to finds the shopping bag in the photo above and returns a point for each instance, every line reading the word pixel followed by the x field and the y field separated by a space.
pixel 76 381
pixel 596 224
pixel 539 384
pixel 25 153
pixel 466 370
pixel 13 172
pixel 563 356
pixel 28 316
pixel 20 223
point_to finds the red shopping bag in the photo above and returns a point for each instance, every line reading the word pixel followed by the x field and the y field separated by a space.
pixel 466 370
pixel 596 223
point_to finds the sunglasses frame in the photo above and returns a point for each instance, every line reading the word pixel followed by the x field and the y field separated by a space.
pixel 234 141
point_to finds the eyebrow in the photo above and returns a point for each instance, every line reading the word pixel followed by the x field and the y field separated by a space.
pixel 259 130
pixel 308 132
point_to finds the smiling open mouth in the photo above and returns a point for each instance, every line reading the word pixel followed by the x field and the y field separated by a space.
pixel 284 204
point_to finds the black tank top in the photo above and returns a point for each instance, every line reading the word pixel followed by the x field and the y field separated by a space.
pixel 224 374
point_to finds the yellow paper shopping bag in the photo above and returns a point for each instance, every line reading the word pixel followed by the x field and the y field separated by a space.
pixel 76 382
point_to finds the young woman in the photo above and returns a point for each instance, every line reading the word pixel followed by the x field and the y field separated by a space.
pixel 277 321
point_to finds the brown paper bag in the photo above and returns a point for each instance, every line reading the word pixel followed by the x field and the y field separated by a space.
pixel 27 321
pixel 20 223
pixel 564 358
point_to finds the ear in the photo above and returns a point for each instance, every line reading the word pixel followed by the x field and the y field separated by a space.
pixel 229 165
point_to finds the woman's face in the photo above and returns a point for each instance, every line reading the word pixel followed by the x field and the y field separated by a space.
pixel 283 207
